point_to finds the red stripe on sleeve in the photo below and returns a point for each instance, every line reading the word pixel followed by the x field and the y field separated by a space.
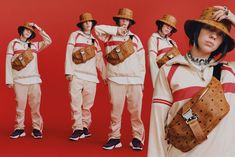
pixel 171 72
pixel 162 101
pixel 229 87
pixel 228 69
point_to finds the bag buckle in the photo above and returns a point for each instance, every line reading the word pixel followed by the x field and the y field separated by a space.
pixel 20 58
pixel 170 56
pixel 118 50
pixel 189 116
pixel 82 52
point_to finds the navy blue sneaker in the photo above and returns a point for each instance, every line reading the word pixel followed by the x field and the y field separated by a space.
pixel 112 143
pixel 17 133
pixel 86 132
pixel 136 144
pixel 37 134
pixel 77 134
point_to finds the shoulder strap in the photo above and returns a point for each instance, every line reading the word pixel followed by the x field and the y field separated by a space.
pixel 172 43
pixel 93 41
pixel 131 37
pixel 217 71
pixel 29 45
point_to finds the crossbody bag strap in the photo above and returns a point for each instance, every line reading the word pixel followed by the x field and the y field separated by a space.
pixel 217 71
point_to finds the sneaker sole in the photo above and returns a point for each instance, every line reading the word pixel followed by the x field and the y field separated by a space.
pixel 135 148
pixel 119 145
pixel 75 139
pixel 86 136
pixel 21 135
pixel 36 137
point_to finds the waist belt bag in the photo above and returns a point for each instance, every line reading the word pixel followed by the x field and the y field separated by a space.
pixel 120 53
pixel 84 54
pixel 22 60
pixel 198 117
pixel 168 56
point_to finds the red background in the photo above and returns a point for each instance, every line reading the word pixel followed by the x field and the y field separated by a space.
pixel 58 19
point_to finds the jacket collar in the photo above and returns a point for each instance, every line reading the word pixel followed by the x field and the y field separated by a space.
pixel 183 60
pixel 157 35
pixel 85 35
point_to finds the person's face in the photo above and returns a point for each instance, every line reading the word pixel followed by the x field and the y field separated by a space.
pixel 87 26
pixel 27 33
pixel 124 22
pixel 166 29
pixel 209 39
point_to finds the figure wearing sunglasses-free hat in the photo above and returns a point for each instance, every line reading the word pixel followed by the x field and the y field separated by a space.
pixel 125 74
pixel 83 56
pixel 160 43
pixel 22 75
pixel 182 78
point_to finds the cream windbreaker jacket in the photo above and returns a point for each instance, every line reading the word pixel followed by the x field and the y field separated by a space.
pixel 85 71
pixel 157 48
pixel 132 70
pixel 177 84
pixel 30 74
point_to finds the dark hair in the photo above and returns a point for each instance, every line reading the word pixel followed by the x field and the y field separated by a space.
pixel 21 31
pixel 117 20
pixel 79 25
pixel 222 49
pixel 160 25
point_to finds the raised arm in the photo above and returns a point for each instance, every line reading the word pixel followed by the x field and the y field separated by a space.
pixel 104 32
pixel 46 40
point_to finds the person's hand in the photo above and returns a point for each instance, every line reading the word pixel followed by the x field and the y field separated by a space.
pixel 10 85
pixel 69 77
pixel 35 26
pixel 121 31
pixel 223 13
